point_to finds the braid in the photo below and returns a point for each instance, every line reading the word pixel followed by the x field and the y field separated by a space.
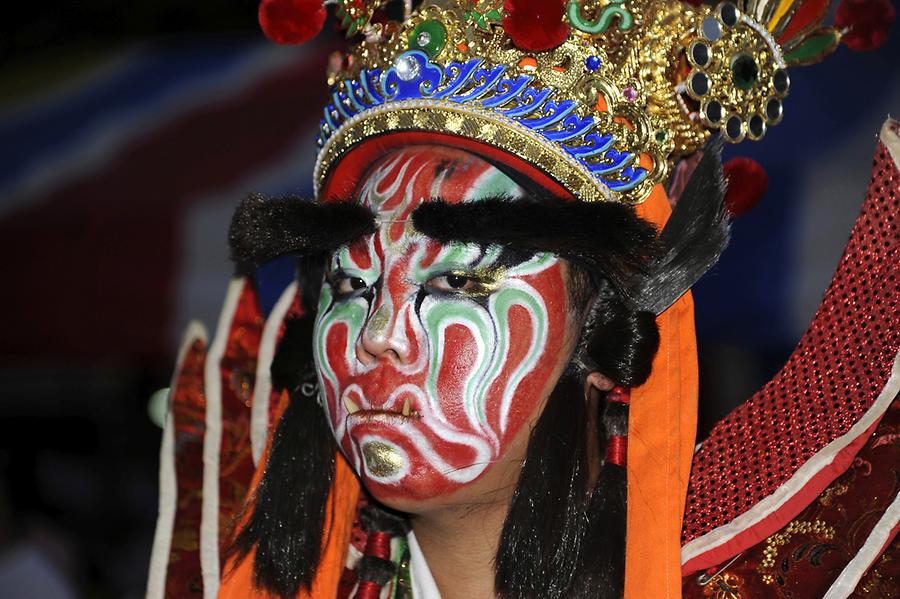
pixel 375 568
pixel 602 560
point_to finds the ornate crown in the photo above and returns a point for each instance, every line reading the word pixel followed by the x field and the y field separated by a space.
pixel 604 96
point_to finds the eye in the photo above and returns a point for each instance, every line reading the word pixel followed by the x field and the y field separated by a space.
pixel 348 285
pixel 452 283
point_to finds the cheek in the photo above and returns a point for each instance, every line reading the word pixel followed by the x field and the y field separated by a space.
pixel 336 326
pixel 495 366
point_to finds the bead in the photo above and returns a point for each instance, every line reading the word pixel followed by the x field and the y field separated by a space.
pixel 700 54
pixel 592 63
pixel 773 110
pixel 734 128
pixel 429 36
pixel 728 14
pixel 713 112
pixel 781 81
pixel 711 29
pixel 407 68
pixel 699 83
pixel 744 71
pixel 756 128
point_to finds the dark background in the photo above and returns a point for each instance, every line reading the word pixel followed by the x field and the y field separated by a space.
pixel 118 171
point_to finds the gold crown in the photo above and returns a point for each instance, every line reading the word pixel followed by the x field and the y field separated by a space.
pixel 604 96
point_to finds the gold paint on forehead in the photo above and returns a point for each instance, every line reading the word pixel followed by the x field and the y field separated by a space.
pixel 382 459
pixel 379 321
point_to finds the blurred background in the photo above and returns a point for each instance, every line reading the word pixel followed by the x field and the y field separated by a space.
pixel 128 133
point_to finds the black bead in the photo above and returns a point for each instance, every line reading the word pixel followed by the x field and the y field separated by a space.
pixel 756 126
pixel 699 83
pixel 773 109
pixel 733 127
pixel 729 14
pixel 714 112
pixel 780 81
pixel 700 54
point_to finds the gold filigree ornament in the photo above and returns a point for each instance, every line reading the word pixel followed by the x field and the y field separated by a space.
pixel 627 89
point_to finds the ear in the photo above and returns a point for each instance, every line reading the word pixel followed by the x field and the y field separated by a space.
pixel 595 384
pixel 598 381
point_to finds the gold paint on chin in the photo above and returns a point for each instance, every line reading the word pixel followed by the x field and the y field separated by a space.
pixel 381 459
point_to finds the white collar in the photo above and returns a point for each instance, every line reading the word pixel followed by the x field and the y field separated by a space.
pixel 421 580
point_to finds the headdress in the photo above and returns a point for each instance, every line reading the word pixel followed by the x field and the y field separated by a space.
pixel 602 97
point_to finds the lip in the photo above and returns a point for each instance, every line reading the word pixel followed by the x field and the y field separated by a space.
pixel 380 417
pixel 405 412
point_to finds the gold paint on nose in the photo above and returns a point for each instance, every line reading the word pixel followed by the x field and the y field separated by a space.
pixel 382 459
pixel 379 321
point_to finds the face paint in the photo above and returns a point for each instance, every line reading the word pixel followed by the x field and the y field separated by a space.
pixel 432 357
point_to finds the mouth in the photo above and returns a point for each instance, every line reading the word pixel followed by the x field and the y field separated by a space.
pixel 406 413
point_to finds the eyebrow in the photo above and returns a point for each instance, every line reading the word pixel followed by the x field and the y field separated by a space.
pixel 606 238
pixel 265 228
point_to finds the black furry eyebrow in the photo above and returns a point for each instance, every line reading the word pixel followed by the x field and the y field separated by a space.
pixel 265 228
pixel 604 237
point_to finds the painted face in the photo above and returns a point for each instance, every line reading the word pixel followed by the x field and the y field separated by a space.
pixel 432 357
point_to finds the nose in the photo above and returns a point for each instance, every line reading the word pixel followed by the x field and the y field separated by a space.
pixel 384 335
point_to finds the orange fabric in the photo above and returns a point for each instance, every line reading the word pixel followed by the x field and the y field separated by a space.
pixel 662 430
pixel 237 582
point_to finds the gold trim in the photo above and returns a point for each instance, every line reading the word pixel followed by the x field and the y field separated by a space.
pixel 434 116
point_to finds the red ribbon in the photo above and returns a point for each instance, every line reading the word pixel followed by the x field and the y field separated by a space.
pixel 619 395
pixel 378 545
pixel 367 590
pixel 617 450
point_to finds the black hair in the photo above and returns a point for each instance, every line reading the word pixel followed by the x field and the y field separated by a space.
pixel 564 535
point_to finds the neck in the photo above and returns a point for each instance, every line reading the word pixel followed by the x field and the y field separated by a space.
pixel 460 544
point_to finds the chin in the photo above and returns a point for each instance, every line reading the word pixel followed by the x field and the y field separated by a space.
pixel 404 483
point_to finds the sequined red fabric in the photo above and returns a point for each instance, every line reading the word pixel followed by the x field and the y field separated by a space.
pixel 834 375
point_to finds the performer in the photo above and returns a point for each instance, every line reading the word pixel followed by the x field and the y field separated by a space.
pixel 483 382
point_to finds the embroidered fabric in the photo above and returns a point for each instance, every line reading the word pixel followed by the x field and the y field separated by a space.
pixel 835 375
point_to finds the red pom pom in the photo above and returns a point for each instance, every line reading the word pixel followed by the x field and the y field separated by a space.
pixel 747 182
pixel 535 25
pixel 867 22
pixel 291 21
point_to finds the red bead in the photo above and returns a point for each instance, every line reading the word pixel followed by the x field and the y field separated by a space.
pixel 747 183
pixel 867 22
pixel 291 21
pixel 535 25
